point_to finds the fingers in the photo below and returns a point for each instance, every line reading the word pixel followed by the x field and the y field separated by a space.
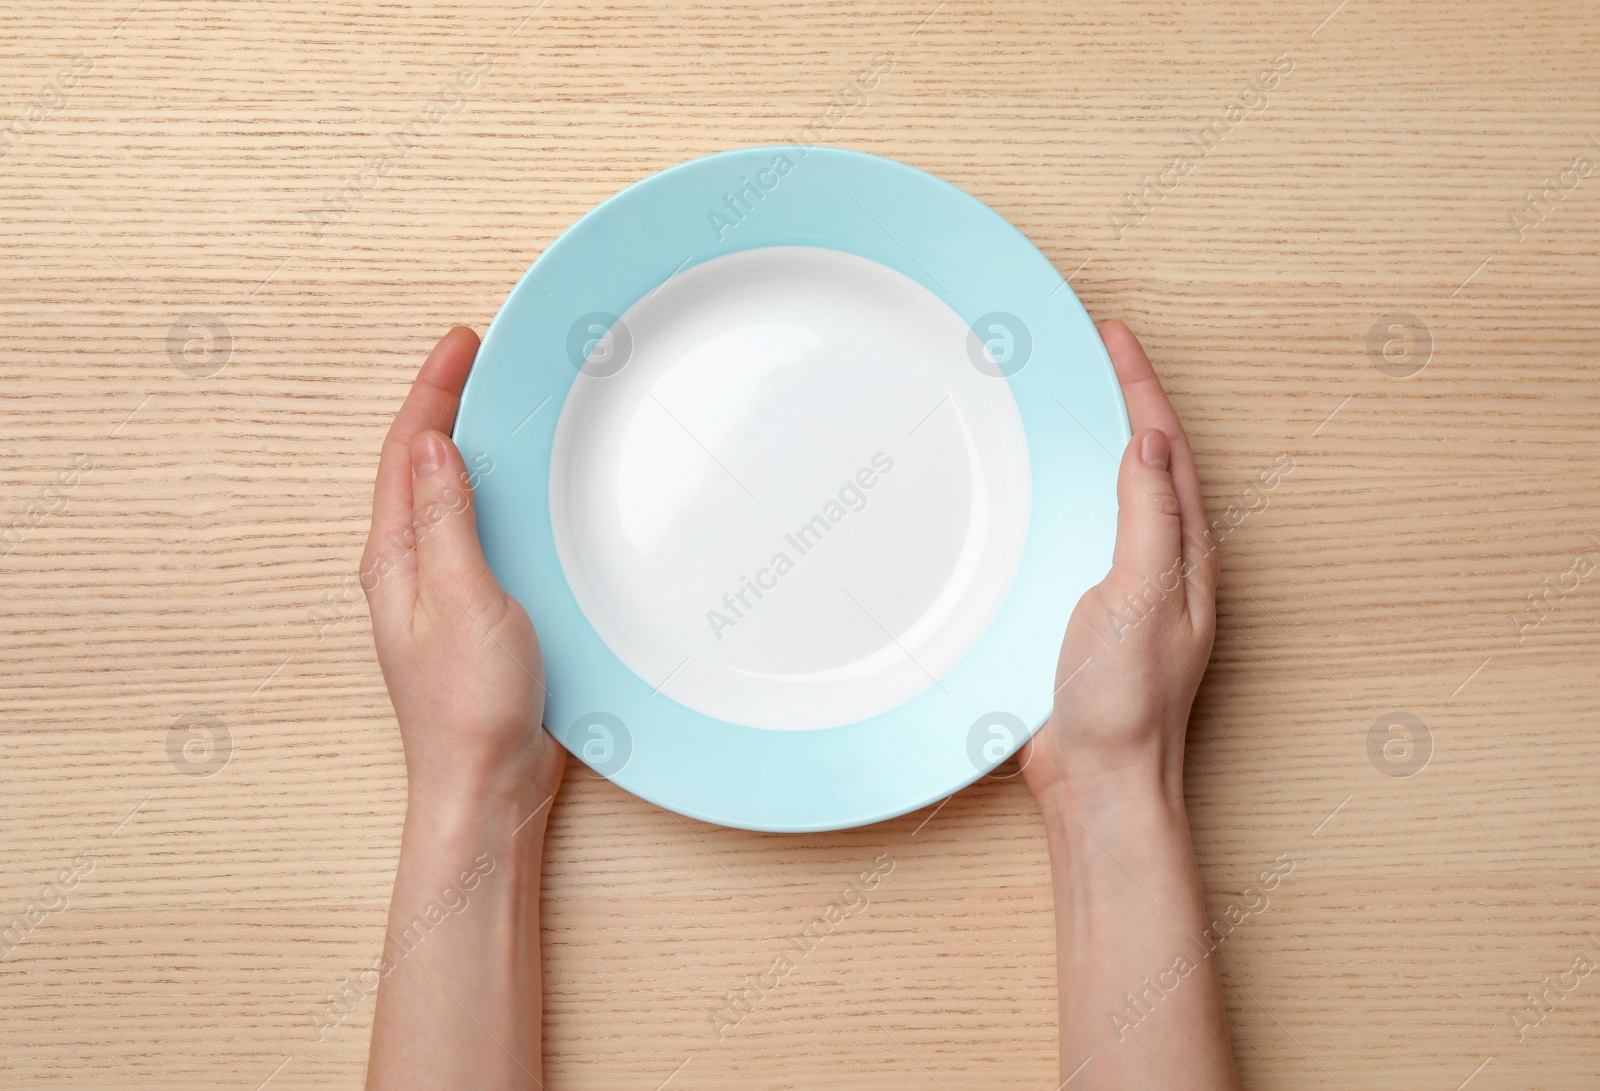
pixel 1148 407
pixel 1149 551
pixel 449 558
pixel 431 404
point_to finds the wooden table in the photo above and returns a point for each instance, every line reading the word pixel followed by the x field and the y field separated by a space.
pixel 306 195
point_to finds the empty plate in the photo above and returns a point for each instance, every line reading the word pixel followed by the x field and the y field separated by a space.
pixel 799 460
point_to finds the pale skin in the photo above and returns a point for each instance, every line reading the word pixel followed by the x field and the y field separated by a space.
pixel 462 1007
pixel 1107 771
pixel 459 1003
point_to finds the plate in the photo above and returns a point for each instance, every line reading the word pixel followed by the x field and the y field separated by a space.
pixel 799 458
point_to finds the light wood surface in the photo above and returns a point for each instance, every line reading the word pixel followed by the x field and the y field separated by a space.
pixel 207 161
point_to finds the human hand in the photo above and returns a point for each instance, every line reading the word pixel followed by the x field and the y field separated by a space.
pixel 1137 643
pixel 459 655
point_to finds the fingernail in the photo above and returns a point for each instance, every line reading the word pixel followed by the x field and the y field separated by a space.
pixel 427 455
pixel 1153 451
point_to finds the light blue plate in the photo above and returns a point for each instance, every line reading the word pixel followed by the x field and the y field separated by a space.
pixel 1066 392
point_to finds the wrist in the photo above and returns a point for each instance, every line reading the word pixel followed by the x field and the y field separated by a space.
pixel 465 810
pixel 1142 791
pixel 1088 766
pixel 473 780
pixel 1133 819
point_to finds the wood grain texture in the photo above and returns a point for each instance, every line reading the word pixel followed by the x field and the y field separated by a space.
pixel 202 164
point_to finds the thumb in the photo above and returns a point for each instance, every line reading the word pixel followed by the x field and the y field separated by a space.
pixel 449 558
pixel 1149 542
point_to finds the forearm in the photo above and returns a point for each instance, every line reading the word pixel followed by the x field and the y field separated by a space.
pixel 1141 997
pixel 460 999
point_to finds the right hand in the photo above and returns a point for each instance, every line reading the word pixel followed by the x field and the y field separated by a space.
pixel 1138 642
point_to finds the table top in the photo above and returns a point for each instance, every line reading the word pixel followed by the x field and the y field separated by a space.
pixel 1297 206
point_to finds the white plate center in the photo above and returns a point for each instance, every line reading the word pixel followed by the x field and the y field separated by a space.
pixel 798 503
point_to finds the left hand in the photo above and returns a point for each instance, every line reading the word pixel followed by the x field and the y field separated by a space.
pixel 459 655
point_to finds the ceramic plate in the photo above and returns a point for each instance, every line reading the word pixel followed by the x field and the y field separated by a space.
pixel 799 459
